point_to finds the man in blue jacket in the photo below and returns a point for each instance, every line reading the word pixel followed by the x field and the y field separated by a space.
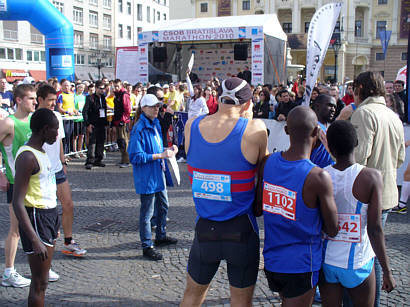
pixel 147 154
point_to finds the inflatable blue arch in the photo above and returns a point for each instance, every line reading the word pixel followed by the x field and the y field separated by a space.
pixel 57 29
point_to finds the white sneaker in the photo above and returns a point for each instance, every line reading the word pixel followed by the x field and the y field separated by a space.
pixel 53 276
pixel 15 280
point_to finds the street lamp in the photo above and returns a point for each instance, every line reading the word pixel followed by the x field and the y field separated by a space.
pixel 335 44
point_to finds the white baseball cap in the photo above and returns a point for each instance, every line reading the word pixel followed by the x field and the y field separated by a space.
pixel 149 100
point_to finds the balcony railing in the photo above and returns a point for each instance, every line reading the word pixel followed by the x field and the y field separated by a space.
pixel 36 38
pixel 10 35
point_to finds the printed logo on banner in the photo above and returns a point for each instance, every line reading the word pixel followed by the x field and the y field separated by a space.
pixel 143 50
pixel 242 32
pixel 257 40
pixel 256 47
pixel 215 63
pixel 223 62
pixel 200 68
pixel 257 61
pixel 254 31
pixel 155 36
pixel 201 51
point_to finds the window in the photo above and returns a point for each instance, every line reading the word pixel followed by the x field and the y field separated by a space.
pixel 93 41
pixel 379 56
pixel 139 29
pixel 153 15
pixel 129 32
pixel 382 2
pixel 10 30
pixel 107 4
pixel 93 17
pixel 165 17
pixel 246 5
pixel 120 31
pixel 120 6
pixel 34 56
pixel 307 24
pixel 158 16
pixel 109 62
pixel 107 22
pixel 129 8
pixel 204 7
pixel 139 12
pixel 78 39
pixel 404 56
pixel 107 42
pixel 42 56
pixel 287 27
pixel 11 53
pixel 380 26
pixel 93 2
pixel 36 36
pixel 77 15
pixel 79 59
pixel 148 14
pixel 358 28
pixel 59 6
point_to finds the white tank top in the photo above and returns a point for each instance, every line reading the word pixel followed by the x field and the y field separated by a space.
pixel 41 192
pixel 351 248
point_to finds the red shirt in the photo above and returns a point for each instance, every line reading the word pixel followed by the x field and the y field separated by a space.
pixel 212 104
pixel 347 99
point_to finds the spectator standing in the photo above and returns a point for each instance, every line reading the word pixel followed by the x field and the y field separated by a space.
pixel 334 92
pixel 95 121
pixel 146 153
pixel 122 110
pixel 6 95
pixel 66 106
pixel 402 93
pixel 380 142
pixel 261 108
pixel 211 101
pixel 348 98
pixel 197 104
pixel 284 106
pixel 79 129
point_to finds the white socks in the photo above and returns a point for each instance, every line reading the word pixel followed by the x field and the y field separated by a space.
pixel 8 271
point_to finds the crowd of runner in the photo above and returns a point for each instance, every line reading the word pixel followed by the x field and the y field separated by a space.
pixel 325 200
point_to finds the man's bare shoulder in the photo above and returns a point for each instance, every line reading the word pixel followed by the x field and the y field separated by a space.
pixel 257 125
pixel 318 177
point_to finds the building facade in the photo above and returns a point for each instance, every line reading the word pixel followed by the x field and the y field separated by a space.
pixel 99 27
pixel 132 16
pixel 358 26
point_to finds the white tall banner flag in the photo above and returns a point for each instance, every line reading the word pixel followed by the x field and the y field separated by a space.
pixel 191 62
pixel 320 32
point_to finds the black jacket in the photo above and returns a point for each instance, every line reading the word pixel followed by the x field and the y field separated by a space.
pixel 91 110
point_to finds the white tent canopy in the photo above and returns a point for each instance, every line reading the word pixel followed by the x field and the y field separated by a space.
pixel 262 33
pixel 269 22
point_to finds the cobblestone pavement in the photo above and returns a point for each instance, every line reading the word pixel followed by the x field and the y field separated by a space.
pixel 114 273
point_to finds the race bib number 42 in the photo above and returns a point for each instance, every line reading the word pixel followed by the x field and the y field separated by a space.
pixel 211 186
pixel 279 200
pixel 349 228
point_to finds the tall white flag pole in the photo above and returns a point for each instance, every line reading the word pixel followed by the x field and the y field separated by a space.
pixel 320 32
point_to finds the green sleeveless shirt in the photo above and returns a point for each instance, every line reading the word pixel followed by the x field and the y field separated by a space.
pixel 22 133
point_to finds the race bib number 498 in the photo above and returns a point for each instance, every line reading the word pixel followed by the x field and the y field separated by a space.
pixel 279 200
pixel 211 186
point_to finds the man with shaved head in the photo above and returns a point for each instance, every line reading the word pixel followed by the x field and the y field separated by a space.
pixel 297 201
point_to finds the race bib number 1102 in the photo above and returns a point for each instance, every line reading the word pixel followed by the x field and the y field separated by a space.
pixel 279 200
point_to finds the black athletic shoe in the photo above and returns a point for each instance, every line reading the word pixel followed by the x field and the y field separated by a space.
pixel 100 164
pixel 165 241
pixel 88 166
pixel 151 254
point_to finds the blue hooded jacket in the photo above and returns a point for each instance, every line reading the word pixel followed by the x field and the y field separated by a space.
pixel 146 140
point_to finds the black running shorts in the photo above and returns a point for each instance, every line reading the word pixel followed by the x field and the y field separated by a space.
pixel 292 284
pixel 234 241
pixel 46 223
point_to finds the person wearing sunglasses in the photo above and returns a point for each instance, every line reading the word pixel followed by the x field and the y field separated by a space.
pixel 147 153
pixel 95 119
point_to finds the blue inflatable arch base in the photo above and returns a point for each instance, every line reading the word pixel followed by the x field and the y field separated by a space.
pixel 57 29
